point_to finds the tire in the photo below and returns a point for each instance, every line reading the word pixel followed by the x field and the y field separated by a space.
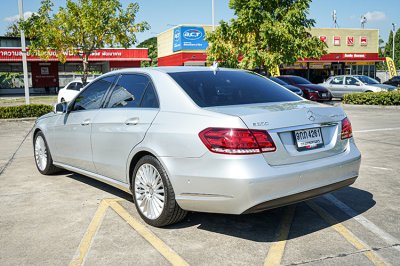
pixel 42 156
pixel 62 100
pixel 153 194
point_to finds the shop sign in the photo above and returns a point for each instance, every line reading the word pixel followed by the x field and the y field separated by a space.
pixel 336 40
pixel 189 38
pixel 322 38
pixel 350 40
pixel 363 41
pixel 320 65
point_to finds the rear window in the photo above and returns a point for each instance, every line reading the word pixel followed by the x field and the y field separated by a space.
pixel 230 88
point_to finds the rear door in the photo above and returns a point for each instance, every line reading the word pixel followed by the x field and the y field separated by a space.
pixel 129 111
pixel 73 130
pixel 336 86
pixel 352 85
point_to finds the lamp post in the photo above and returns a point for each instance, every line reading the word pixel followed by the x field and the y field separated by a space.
pixel 394 34
pixel 23 49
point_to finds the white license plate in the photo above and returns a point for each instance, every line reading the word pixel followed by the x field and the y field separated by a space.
pixel 307 139
pixel 324 94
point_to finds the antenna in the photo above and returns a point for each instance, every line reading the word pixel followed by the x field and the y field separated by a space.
pixel 363 21
pixel 334 18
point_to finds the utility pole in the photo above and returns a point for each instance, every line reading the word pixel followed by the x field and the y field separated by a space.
pixel 394 34
pixel 23 49
pixel 213 14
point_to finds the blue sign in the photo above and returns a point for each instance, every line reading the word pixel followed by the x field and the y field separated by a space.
pixel 189 38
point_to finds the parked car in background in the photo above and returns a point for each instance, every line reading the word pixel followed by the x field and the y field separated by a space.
pixel 287 86
pixel 72 89
pixel 344 84
pixel 311 91
pixel 394 81
pixel 199 139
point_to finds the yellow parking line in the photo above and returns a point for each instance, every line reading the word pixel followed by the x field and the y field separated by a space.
pixel 275 253
pixel 347 234
pixel 90 233
pixel 157 243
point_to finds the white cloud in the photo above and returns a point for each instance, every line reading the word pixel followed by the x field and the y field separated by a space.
pixel 375 16
pixel 12 19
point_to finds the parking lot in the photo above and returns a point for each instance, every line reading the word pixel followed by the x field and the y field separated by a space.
pixel 71 219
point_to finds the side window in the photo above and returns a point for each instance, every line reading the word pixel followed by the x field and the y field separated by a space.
pixel 149 98
pixel 337 81
pixel 128 91
pixel 71 86
pixel 78 86
pixel 351 81
pixel 91 97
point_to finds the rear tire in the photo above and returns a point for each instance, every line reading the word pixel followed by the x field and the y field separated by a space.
pixel 62 100
pixel 43 159
pixel 153 193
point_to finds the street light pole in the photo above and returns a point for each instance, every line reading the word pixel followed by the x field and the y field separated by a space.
pixel 23 49
pixel 394 34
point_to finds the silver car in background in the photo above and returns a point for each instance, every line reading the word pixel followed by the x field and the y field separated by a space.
pixel 199 139
pixel 341 85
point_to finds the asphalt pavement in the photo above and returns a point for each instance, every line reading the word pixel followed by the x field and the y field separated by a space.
pixel 71 219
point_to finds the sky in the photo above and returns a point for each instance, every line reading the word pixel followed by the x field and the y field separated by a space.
pixel 164 14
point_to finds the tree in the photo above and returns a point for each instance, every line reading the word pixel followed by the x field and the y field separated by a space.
pixel 82 27
pixel 13 30
pixel 151 44
pixel 389 48
pixel 265 34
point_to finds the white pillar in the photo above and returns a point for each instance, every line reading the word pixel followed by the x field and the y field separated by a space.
pixel 23 48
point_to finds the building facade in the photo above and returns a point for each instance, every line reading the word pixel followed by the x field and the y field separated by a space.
pixel 349 51
pixel 45 73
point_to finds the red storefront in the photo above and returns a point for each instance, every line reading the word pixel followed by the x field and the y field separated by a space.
pixel 45 72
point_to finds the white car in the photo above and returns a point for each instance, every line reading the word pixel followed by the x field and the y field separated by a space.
pixel 72 89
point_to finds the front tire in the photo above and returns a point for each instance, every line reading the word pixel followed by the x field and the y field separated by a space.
pixel 43 159
pixel 153 194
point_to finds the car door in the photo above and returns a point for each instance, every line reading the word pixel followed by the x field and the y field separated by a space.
pixel 73 129
pixel 336 86
pixel 131 107
pixel 351 85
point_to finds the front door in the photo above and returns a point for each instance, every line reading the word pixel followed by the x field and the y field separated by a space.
pixel 122 124
pixel 72 131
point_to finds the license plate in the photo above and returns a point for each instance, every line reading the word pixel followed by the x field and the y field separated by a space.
pixel 324 94
pixel 307 139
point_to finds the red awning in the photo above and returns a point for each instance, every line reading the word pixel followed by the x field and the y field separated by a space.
pixel 346 57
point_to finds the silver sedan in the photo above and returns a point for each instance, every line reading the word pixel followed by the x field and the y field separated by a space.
pixel 199 139
pixel 341 85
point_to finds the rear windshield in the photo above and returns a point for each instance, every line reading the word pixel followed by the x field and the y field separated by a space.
pixel 230 88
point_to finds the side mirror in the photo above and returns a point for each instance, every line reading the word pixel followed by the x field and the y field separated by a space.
pixel 60 108
pixel 358 83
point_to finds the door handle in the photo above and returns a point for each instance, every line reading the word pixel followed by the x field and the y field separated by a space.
pixel 85 122
pixel 132 121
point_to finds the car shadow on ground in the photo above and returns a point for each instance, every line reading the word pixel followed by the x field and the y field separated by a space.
pixel 258 227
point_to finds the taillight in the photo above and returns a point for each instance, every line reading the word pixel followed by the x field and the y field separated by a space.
pixel 347 131
pixel 237 141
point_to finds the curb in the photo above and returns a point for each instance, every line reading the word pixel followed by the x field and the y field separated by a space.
pixel 390 107
pixel 18 119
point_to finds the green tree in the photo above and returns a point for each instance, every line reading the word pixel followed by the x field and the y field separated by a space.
pixel 389 48
pixel 82 27
pixel 151 44
pixel 13 30
pixel 265 34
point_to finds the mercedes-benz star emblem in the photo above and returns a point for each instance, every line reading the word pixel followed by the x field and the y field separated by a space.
pixel 310 115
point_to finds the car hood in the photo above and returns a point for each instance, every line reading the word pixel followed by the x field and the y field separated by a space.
pixel 383 86
pixel 313 87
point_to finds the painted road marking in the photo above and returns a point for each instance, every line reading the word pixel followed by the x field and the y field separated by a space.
pixel 381 168
pixel 90 233
pixel 275 253
pixel 156 242
pixel 347 234
pixel 388 238
pixel 376 130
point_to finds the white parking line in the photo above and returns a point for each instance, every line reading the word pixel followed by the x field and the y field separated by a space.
pixel 381 168
pixel 388 238
pixel 377 129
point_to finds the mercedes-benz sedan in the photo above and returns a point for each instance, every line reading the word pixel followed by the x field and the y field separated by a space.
pixel 199 139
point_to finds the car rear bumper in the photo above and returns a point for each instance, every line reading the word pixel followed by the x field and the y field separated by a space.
pixel 245 184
